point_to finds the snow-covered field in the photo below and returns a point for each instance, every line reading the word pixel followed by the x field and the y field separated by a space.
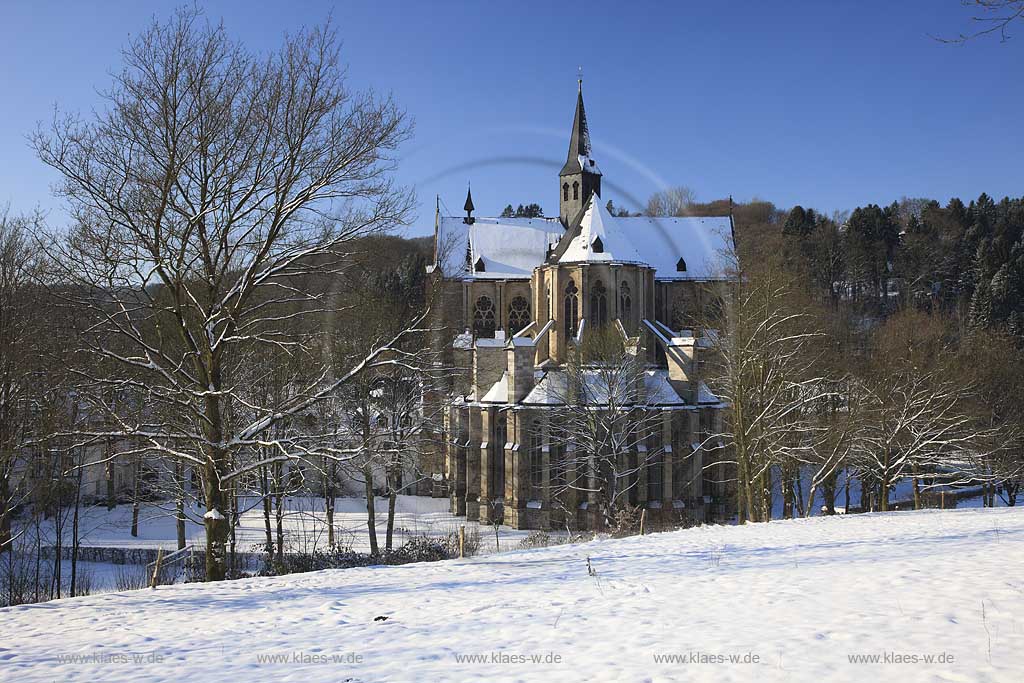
pixel 803 598
pixel 305 527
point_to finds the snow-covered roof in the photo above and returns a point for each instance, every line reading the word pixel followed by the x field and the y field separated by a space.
pixel 702 242
pixel 499 392
pixel 600 238
pixel 510 248
pixel 551 389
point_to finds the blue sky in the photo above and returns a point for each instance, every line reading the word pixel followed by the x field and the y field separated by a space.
pixel 825 104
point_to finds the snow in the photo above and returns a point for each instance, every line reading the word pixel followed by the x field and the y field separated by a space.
pixel 499 392
pixel 703 242
pixel 597 224
pixel 551 389
pixel 213 514
pixel 304 524
pixel 512 247
pixel 801 596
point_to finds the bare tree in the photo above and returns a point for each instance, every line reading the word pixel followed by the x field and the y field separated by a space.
pixel 994 16
pixel 215 200
pixel 25 375
pixel 674 201
pixel 763 366
pixel 915 417
pixel 603 423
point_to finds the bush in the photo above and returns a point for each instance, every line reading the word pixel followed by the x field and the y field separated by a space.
pixel 536 539
pixel 130 577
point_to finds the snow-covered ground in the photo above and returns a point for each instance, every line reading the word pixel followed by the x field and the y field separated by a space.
pixel 304 525
pixel 802 598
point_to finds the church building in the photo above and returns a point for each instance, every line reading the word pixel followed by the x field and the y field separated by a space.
pixel 523 294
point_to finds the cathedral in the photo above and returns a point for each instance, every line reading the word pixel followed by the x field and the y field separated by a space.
pixel 523 295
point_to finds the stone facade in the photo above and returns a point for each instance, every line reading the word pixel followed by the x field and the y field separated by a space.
pixel 504 449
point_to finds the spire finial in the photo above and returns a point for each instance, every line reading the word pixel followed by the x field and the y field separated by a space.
pixel 579 77
pixel 468 207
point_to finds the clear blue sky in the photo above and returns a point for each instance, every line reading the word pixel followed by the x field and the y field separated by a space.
pixel 825 104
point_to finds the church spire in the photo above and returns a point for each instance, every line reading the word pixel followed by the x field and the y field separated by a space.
pixel 468 206
pixel 578 158
pixel 580 177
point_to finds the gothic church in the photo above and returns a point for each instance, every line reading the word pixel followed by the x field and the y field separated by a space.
pixel 525 293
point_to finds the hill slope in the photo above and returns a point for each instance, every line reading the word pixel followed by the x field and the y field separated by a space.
pixel 803 597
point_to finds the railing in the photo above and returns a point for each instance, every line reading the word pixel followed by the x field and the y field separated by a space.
pixel 182 560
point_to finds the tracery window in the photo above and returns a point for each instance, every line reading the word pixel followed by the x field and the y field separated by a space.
pixel 598 305
pixel 536 461
pixel 571 308
pixel 497 469
pixel 625 303
pixel 483 318
pixel 518 314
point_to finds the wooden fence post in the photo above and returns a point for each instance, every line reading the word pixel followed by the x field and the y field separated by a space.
pixel 462 541
pixel 156 567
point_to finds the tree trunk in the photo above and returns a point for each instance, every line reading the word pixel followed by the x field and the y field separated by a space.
pixel 108 472
pixel 371 519
pixel 135 502
pixel 787 494
pixel 329 496
pixel 392 497
pixel 5 516
pixel 215 522
pixel 179 508
pixel 74 534
pixel 265 490
pixel 917 487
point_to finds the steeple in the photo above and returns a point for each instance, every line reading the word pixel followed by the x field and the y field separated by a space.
pixel 468 207
pixel 580 177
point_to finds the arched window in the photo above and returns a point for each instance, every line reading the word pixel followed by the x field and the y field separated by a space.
pixel 571 309
pixel 625 303
pixel 497 469
pixel 565 192
pixel 598 305
pixel 483 318
pixel 576 190
pixel 655 464
pixel 536 461
pixel 518 314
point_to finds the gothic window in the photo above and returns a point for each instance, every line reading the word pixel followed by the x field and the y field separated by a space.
pixel 483 318
pixel 518 314
pixel 597 245
pixel 536 461
pixel 576 190
pixel 565 192
pixel 681 265
pixel 497 470
pixel 556 456
pixel 571 309
pixel 479 266
pixel 598 305
pixel 625 303
pixel 655 463
pixel 656 477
